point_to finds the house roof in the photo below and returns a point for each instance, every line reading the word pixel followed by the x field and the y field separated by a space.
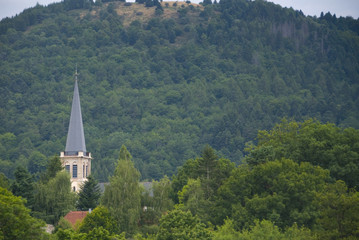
pixel 75 137
pixel 75 216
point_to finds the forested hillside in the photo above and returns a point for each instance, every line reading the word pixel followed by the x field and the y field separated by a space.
pixel 165 80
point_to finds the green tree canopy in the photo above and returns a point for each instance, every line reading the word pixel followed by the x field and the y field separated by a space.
pixel 53 167
pixel 178 224
pixel 99 217
pixel 23 185
pixel 339 208
pixel 122 196
pixel 281 191
pixel 54 199
pixel 89 194
pixel 325 145
pixel 15 219
pixel 4 182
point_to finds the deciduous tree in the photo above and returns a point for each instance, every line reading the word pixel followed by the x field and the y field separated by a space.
pixel 15 219
pixel 99 217
pixel 55 198
pixel 178 224
pixel 123 195
pixel 339 208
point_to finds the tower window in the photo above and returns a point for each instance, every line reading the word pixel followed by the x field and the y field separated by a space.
pixel 86 170
pixel 67 168
pixel 83 171
pixel 74 171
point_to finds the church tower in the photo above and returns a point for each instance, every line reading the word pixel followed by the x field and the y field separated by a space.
pixel 75 159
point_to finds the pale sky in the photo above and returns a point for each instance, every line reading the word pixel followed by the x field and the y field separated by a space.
pixel 344 8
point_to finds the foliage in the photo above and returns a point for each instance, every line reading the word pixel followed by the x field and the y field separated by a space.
pixel 37 162
pixel 54 199
pixel 63 224
pixel 23 186
pixel 209 169
pixel 281 191
pixel 94 234
pixel 199 181
pixel 155 201
pixel 325 145
pixel 89 194
pixel 15 219
pixel 178 224
pixel 339 210
pixel 53 167
pixel 167 82
pixel 267 230
pixel 4 182
pixel 161 195
pixel 122 196
pixel 99 217
pixel 166 85
pixel 262 230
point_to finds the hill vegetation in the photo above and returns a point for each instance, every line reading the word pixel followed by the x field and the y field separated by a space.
pixel 167 80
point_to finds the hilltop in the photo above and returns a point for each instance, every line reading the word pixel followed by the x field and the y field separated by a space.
pixel 165 81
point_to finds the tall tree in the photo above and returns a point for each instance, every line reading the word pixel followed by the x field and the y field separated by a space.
pixel 207 162
pixel 23 185
pixel 54 199
pixel 123 195
pixel 89 194
pixel 161 195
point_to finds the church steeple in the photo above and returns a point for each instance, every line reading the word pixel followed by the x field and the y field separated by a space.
pixel 75 159
pixel 75 137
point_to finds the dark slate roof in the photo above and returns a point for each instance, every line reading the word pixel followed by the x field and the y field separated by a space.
pixel 75 138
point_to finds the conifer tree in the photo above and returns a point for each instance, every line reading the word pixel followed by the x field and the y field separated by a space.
pixel 89 195
pixel 206 167
pixel 123 195
pixel 23 185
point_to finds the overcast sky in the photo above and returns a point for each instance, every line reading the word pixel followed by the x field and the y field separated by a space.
pixel 344 8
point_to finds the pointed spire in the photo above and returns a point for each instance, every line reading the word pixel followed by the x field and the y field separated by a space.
pixel 75 138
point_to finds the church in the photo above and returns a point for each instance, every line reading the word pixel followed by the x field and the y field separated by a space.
pixel 75 159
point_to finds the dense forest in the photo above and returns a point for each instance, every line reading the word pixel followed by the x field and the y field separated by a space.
pixel 165 79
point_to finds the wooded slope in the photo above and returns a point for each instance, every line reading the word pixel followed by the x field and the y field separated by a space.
pixel 166 82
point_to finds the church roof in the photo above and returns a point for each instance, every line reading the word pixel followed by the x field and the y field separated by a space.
pixel 75 138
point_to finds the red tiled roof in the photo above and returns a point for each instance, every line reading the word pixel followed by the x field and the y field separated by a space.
pixel 75 216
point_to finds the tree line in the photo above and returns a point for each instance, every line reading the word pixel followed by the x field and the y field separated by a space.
pixel 286 189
